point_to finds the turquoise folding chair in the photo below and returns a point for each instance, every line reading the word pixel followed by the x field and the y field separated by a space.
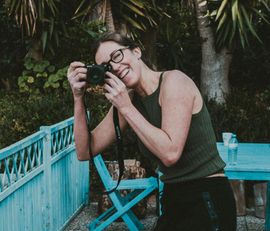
pixel 121 205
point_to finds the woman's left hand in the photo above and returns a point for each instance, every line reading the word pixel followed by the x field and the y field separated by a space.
pixel 117 92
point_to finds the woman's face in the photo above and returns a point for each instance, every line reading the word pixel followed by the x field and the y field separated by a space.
pixel 125 62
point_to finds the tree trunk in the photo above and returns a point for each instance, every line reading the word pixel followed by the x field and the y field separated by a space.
pixel 215 65
pixel 103 12
pixel 109 17
pixel 98 12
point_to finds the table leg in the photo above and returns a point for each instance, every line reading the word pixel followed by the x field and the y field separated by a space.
pixel 267 210
pixel 239 195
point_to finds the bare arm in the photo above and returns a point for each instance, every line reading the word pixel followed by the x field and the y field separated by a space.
pixel 103 135
pixel 177 98
pixel 81 134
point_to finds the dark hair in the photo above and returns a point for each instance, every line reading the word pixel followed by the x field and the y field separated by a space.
pixel 117 38
pixel 114 37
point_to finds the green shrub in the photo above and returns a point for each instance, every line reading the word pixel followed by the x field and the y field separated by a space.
pixel 41 76
pixel 246 114
pixel 22 115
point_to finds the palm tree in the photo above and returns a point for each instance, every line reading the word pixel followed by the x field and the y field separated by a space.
pixel 234 20
pixel 134 14
pixel 42 21
pixel 137 18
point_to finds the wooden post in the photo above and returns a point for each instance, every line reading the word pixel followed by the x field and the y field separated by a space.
pixel 47 190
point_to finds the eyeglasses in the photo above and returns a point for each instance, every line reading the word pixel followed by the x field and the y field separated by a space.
pixel 117 56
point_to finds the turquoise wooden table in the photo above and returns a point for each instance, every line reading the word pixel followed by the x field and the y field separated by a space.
pixel 253 163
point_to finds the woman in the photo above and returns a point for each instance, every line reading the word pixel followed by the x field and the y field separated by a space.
pixel 173 127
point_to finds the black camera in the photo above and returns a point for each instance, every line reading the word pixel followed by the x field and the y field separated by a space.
pixel 96 73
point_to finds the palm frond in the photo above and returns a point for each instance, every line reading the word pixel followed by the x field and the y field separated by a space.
pixel 236 20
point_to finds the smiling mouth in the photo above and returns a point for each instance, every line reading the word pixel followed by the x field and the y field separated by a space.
pixel 124 73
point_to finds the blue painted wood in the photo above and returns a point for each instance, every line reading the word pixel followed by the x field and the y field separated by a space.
pixel 42 184
pixel 121 205
pixel 253 163
pixel 267 210
pixel 47 195
pixel 251 157
pixel 18 146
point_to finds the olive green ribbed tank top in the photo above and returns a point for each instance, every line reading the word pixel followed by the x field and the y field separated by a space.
pixel 199 158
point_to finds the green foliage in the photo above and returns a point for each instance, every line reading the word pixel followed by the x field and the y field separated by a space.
pixel 178 42
pixel 77 45
pixel 41 76
pixel 43 20
pixel 137 15
pixel 236 20
pixel 251 67
pixel 178 46
pixel 245 113
pixel 21 115
pixel 12 50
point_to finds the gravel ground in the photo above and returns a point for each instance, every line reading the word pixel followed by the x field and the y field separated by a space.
pixel 89 212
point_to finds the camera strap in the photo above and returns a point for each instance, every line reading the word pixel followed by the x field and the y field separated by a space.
pixel 119 144
pixel 119 147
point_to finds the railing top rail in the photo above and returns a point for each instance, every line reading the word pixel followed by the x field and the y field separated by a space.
pixel 21 144
pixel 60 125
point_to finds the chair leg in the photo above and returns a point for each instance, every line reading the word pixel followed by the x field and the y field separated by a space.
pixel 125 216
pixel 103 216
pixel 128 216
pixel 132 224
pixel 124 212
pixel 131 203
pixel 135 220
pixel 113 213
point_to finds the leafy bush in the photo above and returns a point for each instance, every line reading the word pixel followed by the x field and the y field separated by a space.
pixel 21 115
pixel 246 114
pixel 12 50
pixel 178 42
pixel 41 76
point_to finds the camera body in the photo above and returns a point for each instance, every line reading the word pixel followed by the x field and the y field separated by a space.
pixel 96 73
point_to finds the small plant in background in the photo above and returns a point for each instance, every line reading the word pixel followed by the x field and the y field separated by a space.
pixel 25 115
pixel 41 76
pixel 245 113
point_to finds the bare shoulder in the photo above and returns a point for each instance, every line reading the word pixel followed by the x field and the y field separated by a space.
pixel 177 86
pixel 177 80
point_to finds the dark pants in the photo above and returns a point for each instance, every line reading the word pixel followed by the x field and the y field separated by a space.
pixel 205 204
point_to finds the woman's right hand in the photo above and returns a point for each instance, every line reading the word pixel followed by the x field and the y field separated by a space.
pixel 77 78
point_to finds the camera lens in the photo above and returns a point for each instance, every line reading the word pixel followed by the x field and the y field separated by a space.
pixel 96 73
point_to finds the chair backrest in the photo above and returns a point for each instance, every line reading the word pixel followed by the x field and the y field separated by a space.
pixel 103 172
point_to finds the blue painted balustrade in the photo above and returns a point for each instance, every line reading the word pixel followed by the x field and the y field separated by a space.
pixel 42 184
